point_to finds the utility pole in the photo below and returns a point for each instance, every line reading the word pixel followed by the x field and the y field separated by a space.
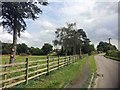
pixel 109 40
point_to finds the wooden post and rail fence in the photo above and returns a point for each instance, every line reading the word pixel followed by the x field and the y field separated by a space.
pixel 32 69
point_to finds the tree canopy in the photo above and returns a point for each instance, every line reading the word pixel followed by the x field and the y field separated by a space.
pixel 104 47
pixel 23 49
pixel 71 39
pixel 14 13
pixel 47 48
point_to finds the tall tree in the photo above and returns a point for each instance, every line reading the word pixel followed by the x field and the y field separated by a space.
pixel 104 46
pixel 63 36
pixel 70 38
pixel 81 38
pixel 47 48
pixel 13 15
pixel 22 48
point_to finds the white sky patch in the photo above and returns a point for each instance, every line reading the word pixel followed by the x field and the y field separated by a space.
pixel 26 35
pixel 83 0
pixel 46 25
pixel 4 36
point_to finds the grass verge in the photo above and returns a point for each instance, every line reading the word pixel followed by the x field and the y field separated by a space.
pixel 56 79
pixel 92 70
pixel 113 58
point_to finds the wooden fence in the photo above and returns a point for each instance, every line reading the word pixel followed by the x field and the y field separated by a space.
pixel 32 69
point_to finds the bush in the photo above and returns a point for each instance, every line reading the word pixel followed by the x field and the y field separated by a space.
pixel 113 53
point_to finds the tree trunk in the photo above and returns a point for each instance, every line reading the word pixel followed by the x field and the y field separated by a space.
pixel 80 53
pixel 66 52
pixel 74 51
pixel 14 46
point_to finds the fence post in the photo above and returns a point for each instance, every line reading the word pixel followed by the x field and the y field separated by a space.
pixel 47 66
pixel 75 58
pixel 72 58
pixel 78 57
pixel 26 78
pixel 36 70
pixel 69 59
pixel 58 61
pixel 65 61
pixel 5 75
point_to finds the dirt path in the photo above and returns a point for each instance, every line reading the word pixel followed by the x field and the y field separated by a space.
pixel 107 72
pixel 81 78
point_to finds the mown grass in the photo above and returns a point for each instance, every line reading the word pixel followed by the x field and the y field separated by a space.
pixel 113 58
pixel 6 58
pixel 92 64
pixel 92 70
pixel 113 54
pixel 58 78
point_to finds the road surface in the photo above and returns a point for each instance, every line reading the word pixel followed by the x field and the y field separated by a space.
pixel 107 72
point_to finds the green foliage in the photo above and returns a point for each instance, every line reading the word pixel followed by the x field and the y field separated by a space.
pixel 113 53
pixel 6 48
pixel 87 48
pixel 71 40
pixel 23 49
pixel 104 46
pixel 14 13
pixel 35 51
pixel 47 48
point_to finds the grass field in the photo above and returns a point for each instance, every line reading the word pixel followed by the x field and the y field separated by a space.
pixel 5 58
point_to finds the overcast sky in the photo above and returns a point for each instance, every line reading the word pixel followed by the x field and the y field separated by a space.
pixel 98 19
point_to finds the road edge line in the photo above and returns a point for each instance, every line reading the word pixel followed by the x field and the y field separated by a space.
pixel 91 80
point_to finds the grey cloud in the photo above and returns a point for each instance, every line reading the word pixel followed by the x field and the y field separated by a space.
pixel 110 7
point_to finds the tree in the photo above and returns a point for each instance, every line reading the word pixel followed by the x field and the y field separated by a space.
pixel 13 15
pixel 22 48
pixel 87 48
pixel 35 51
pixel 81 39
pixel 104 47
pixel 6 48
pixel 63 37
pixel 70 38
pixel 47 48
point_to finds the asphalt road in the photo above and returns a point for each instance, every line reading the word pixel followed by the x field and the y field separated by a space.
pixel 107 72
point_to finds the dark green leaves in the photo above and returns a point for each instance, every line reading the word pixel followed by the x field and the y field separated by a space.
pixel 14 13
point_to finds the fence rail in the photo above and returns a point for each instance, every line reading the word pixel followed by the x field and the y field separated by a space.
pixel 32 69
